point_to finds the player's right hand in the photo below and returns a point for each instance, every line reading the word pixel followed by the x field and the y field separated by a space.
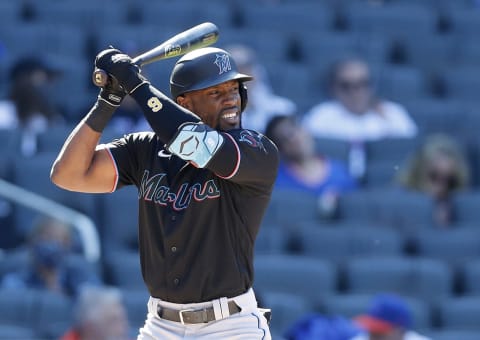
pixel 120 66
pixel 112 92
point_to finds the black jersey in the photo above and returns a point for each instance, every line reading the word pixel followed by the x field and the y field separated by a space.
pixel 197 227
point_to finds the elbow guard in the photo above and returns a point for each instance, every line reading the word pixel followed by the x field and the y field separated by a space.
pixel 195 143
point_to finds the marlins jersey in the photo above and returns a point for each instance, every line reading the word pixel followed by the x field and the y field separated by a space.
pixel 197 226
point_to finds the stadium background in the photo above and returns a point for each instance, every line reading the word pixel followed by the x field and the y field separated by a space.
pixel 425 54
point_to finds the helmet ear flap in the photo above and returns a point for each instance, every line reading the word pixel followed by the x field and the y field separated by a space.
pixel 243 95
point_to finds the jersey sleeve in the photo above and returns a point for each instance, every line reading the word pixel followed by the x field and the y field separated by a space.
pixel 246 157
pixel 127 154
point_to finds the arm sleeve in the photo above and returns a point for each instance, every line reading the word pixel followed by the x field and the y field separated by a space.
pixel 162 113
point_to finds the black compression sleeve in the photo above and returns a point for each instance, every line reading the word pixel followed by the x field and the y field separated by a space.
pixel 163 115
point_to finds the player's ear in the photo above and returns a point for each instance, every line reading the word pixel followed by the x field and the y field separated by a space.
pixel 184 102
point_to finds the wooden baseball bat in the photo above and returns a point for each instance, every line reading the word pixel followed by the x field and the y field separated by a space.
pixel 196 37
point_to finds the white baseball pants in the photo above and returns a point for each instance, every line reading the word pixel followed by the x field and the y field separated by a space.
pixel 248 324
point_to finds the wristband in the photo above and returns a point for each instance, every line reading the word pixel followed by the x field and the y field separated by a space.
pixel 100 114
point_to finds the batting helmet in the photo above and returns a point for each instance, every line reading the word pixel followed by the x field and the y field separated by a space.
pixel 203 68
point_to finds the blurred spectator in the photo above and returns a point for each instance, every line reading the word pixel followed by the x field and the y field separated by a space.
pixel 29 105
pixel 387 318
pixel 439 168
pixel 99 314
pixel 355 114
pixel 263 103
pixel 50 262
pixel 303 168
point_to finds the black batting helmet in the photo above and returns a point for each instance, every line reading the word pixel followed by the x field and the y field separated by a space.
pixel 203 68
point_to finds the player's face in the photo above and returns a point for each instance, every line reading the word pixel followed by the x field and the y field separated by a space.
pixel 218 106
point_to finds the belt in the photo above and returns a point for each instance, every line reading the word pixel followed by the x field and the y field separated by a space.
pixel 191 316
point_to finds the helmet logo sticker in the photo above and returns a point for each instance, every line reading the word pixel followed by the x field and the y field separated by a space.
pixel 223 63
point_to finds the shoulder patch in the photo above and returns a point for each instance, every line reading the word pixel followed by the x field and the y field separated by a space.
pixel 252 139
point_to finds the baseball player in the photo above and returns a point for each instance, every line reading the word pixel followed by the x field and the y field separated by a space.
pixel 203 186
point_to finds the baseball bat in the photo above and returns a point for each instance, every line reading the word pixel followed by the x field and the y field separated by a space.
pixel 196 37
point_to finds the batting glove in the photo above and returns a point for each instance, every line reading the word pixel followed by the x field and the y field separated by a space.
pixel 120 66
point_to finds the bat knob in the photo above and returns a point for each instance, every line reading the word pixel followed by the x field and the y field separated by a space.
pixel 100 77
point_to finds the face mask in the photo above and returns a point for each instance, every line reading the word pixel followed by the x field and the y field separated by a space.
pixel 48 254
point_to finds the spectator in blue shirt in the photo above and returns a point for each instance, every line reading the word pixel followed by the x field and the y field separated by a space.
pixel 302 167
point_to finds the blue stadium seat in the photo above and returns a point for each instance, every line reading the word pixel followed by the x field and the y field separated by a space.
pixel 286 309
pixel 437 115
pixel 135 301
pixel 11 332
pixel 466 207
pixel 387 206
pixel 289 18
pixel 464 21
pixel 341 243
pixel 34 174
pixel 307 277
pixel 460 313
pixel 280 211
pixel 119 224
pixel 401 82
pixel 53 314
pixel 448 334
pixel 122 269
pixel 455 246
pixel 334 148
pixel 423 278
pixel 462 82
pixel 272 240
pixel 471 277
pixel 395 20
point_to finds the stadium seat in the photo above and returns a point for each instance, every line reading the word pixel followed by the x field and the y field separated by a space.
pixel 280 210
pixel 455 246
pixel 286 309
pixel 423 278
pixel 388 207
pixel 135 301
pixel 448 334
pixel 334 148
pixel 351 305
pixel 434 115
pixel 52 314
pixel 464 21
pixel 401 82
pixel 119 225
pixel 307 277
pixel 341 243
pixel 17 307
pixel 302 17
pixel 122 269
pixel 461 82
pixel 272 240
pixel 395 21
pixel 460 313
pixel 471 277
pixel 11 332
pixel 466 207
pixel 33 174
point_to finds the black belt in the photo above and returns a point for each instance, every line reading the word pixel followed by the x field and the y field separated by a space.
pixel 193 316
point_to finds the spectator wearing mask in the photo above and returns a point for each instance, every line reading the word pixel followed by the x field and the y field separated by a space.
pixel 263 103
pixel 51 263
pixel 303 168
pixel 388 318
pixel 439 168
